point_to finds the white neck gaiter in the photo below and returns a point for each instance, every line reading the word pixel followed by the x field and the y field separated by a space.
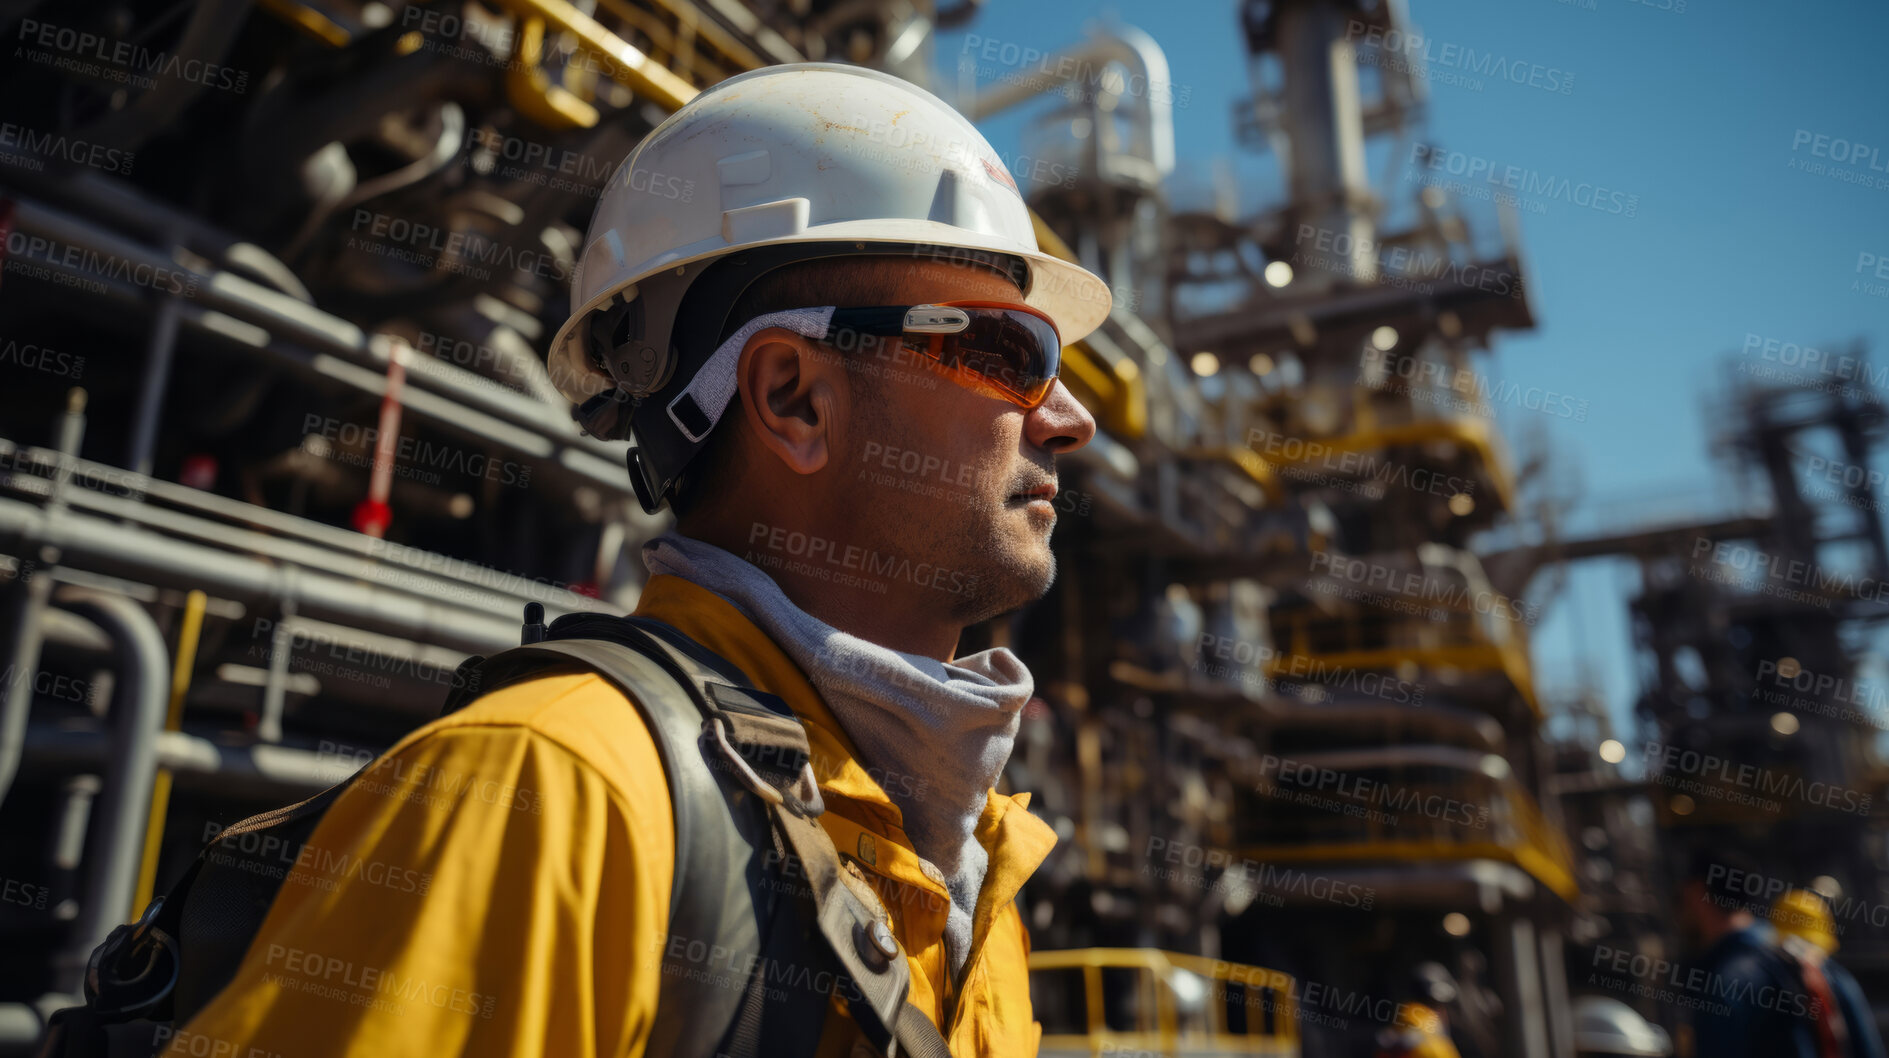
pixel 944 728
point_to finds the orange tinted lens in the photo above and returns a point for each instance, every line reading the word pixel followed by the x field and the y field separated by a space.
pixel 1006 353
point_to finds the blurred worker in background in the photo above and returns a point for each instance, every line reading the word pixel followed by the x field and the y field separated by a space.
pixel 1477 1010
pixel 1421 1028
pixel 814 299
pixel 1747 998
pixel 1843 1026
pixel 1604 1027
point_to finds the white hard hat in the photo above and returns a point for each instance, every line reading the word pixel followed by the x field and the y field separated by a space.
pixel 1604 1025
pixel 781 164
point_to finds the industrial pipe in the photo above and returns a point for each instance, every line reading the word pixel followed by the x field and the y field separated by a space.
pixel 1127 45
pixel 33 586
pixel 137 715
pixel 111 548
pixel 261 772
pixel 295 541
pixel 446 394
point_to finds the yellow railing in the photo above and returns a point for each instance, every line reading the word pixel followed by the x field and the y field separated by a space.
pixel 1477 435
pixel 1463 643
pixel 1247 461
pixel 1513 831
pixel 1555 865
pixel 1181 1005
pixel 308 20
pixel 532 90
pixel 623 63
pixel 685 41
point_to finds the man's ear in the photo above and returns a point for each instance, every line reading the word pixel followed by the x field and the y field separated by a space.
pixel 792 393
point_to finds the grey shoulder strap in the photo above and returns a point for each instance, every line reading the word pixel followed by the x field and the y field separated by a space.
pixel 723 843
pixel 742 945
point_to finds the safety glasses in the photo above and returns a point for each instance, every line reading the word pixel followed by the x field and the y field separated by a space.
pixel 1000 350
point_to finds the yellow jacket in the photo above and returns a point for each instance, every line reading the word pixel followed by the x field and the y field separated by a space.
pixel 498 884
pixel 1419 1033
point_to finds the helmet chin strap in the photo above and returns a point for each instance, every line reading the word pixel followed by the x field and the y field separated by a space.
pixel 607 415
pixel 700 405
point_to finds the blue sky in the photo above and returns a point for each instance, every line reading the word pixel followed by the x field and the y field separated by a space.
pixel 1699 113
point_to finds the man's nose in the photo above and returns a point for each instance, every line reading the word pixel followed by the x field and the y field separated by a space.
pixel 1060 423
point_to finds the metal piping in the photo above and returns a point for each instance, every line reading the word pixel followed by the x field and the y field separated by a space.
pixel 137 715
pixel 126 206
pixel 275 686
pixel 1124 44
pixel 22 1023
pixel 1468 884
pixel 111 548
pixel 1324 121
pixel 1433 720
pixel 453 397
pixel 157 380
pixel 70 635
pixel 16 699
pixel 78 795
pixel 1404 755
pixel 502 596
pixel 289 129
pixel 199 763
pixel 737 53
pixel 33 589
pixel 206 40
pixel 746 21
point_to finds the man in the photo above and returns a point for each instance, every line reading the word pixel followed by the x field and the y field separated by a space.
pixel 1843 1026
pixel 1747 1000
pixel 814 298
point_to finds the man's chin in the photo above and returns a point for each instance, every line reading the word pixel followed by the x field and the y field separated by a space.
pixel 1014 575
pixel 1031 569
pixel 1027 543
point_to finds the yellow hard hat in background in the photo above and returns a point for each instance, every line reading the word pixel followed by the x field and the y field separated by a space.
pixel 1802 913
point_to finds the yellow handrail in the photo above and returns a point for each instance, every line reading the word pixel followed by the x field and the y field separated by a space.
pixel 181 669
pixel 1163 1035
pixel 738 54
pixel 1538 862
pixel 626 64
pixel 1470 647
pixel 309 21
pixel 533 92
pixel 1512 830
pixel 1471 433
pixel 1247 461
pixel 1469 657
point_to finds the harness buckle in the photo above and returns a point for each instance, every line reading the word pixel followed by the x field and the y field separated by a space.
pixel 114 994
pixel 767 791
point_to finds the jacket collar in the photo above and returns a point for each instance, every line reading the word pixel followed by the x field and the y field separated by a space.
pixel 1017 841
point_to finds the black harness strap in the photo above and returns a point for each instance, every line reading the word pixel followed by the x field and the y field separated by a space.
pixel 763 748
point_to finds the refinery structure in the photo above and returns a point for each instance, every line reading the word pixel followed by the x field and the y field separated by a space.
pixel 1286 715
